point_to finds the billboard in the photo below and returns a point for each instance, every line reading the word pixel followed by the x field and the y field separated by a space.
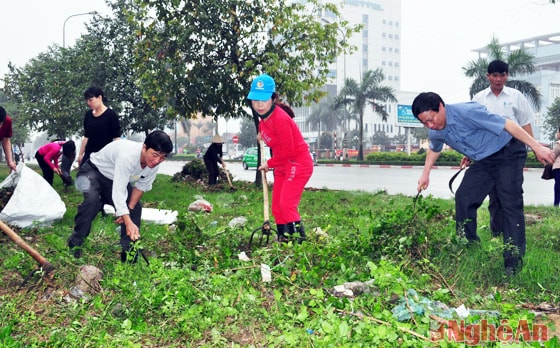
pixel 405 118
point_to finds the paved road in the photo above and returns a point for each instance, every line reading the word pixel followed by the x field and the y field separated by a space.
pixel 393 179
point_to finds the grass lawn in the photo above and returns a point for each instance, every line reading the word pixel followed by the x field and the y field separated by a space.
pixel 393 251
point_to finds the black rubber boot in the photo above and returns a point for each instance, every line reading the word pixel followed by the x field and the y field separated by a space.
pixel 297 227
pixel 281 230
pixel 301 231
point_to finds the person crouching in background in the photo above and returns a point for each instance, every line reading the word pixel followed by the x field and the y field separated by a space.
pixel 47 157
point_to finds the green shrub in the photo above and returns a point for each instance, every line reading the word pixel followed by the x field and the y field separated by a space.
pixel 195 169
pixel 446 157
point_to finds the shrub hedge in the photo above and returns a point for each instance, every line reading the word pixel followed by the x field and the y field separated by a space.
pixel 447 158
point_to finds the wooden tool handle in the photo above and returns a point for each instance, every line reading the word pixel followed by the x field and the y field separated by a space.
pixel 47 267
pixel 264 183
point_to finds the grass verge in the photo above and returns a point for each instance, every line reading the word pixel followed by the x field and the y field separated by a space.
pixel 195 291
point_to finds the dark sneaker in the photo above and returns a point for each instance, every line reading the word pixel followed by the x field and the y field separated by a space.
pixel 510 271
pixel 75 250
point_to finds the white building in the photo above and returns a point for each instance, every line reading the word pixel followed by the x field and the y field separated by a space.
pixel 378 45
pixel 546 50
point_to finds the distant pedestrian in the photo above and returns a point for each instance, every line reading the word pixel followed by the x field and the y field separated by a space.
pixel 17 153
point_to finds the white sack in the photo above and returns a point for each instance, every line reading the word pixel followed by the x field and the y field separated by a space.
pixel 33 200
pixel 157 216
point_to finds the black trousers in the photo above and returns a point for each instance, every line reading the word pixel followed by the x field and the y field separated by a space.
pixel 48 173
pixel 97 191
pixel 501 173
pixel 213 171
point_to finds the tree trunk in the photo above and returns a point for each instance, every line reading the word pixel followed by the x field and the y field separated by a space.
pixel 361 138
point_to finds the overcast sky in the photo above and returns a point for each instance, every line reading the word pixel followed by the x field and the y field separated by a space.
pixel 29 27
pixel 438 37
pixel 436 40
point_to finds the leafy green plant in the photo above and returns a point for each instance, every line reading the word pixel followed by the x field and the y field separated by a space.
pixel 195 291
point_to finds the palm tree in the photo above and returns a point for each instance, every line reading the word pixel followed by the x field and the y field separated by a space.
pixel 519 61
pixel 186 125
pixel 368 92
pixel 325 115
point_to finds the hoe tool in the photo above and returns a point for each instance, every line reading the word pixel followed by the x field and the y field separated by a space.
pixel 229 179
pixel 45 265
pixel 265 229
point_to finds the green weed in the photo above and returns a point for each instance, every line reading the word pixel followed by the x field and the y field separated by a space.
pixel 195 291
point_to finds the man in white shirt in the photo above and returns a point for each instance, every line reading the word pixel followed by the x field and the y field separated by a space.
pixel 509 103
pixel 118 175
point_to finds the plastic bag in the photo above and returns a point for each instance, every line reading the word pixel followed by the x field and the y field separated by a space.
pixel 33 200
pixel 239 221
pixel 201 205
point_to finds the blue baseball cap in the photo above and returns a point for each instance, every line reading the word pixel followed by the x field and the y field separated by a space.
pixel 262 88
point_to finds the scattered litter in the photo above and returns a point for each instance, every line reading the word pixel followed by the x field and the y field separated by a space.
pixel 319 235
pixel 243 257
pixel 419 305
pixel 87 283
pixel 318 231
pixel 243 198
pixel 201 205
pixel 265 273
pixel 239 221
pixel 352 289
pixel 462 311
pixel 157 216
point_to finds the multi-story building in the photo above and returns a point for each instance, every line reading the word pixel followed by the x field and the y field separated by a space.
pixel 546 50
pixel 378 45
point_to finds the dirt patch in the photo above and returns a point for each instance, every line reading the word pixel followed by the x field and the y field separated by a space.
pixel 5 195
pixel 552 321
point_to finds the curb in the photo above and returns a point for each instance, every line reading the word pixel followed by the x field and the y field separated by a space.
pixel 390 166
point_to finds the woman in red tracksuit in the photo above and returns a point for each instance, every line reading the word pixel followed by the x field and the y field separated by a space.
pixel 290 159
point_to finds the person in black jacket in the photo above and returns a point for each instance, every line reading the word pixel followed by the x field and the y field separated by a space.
pixel 211 158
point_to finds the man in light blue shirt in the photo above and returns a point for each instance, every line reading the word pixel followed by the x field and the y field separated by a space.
pixel 497 145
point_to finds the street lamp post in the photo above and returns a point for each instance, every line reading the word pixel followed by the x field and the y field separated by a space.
pixel 67 18
pixel 343 76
